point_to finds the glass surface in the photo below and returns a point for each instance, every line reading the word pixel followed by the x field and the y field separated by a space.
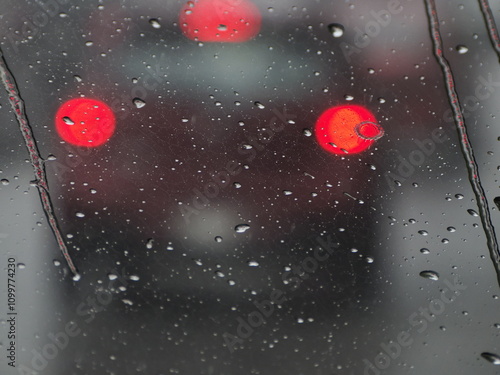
pixel 218 225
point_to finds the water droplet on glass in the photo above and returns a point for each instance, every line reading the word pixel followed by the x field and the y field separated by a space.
pixel 431 275
pixel 259 105
pixel 423 232
pixel 76 277
pixel 472 212
pixel 241 228
pixel 493 358
pixel 68 121
pixel 80 214
pixel 336 29
pixel 112 276
pixel 461 49
pixel 139 103
pixel 287 192
pixel 57 263
pixel 134 277
pixel 149 243
pixel 4 181
pixel 154 22
pixel 21 266
pixel 253 263
pixel 496 200
pixel 218 239
pixel 307 132
pixel 222 27
pixel 451 229
pixel 424 250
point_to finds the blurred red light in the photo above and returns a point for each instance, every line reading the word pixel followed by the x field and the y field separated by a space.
pixel 347 129
pixel 85 122
pixel 230 21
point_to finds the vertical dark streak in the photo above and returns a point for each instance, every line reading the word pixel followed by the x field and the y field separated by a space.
pixel 466 147
pixel 17 105
pixel 490 23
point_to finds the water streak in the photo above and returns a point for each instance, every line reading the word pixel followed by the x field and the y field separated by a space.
pixel 466 147
pixel 37 161
pixel 491 25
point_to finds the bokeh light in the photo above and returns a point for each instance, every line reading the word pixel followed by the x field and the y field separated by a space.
pixel 347 129
pixel 85 122
pixel 232 21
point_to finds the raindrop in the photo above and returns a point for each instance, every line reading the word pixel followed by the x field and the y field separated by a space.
pixel 21 266
pixel 307 132
pixel 149 243
pixel 112 276
pixel 259 105
pixel 57 263
pixel 139 103
pixel 134 277
pixel 496 200
pixel 218 239
pixel 253 263
pixel 68 121
pixel 241 228
pixel 431 275
pixel 154 22
pixel 472 212
pixel 493 358
pixel 80 214
pixel 231 282
pixel 451 229
pixel 77 277
pixel 287 192
pixel 4 181
pixel 461 49
pixel 336 29
pixel 459 196
pixel 424 250
pixel 222 27
pixel 423 232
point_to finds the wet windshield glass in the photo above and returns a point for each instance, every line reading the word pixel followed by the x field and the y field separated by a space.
pixel 249 186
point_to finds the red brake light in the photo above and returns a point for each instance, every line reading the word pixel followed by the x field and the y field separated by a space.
pixel 85 122
pixel 347 129
pixel 220 20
